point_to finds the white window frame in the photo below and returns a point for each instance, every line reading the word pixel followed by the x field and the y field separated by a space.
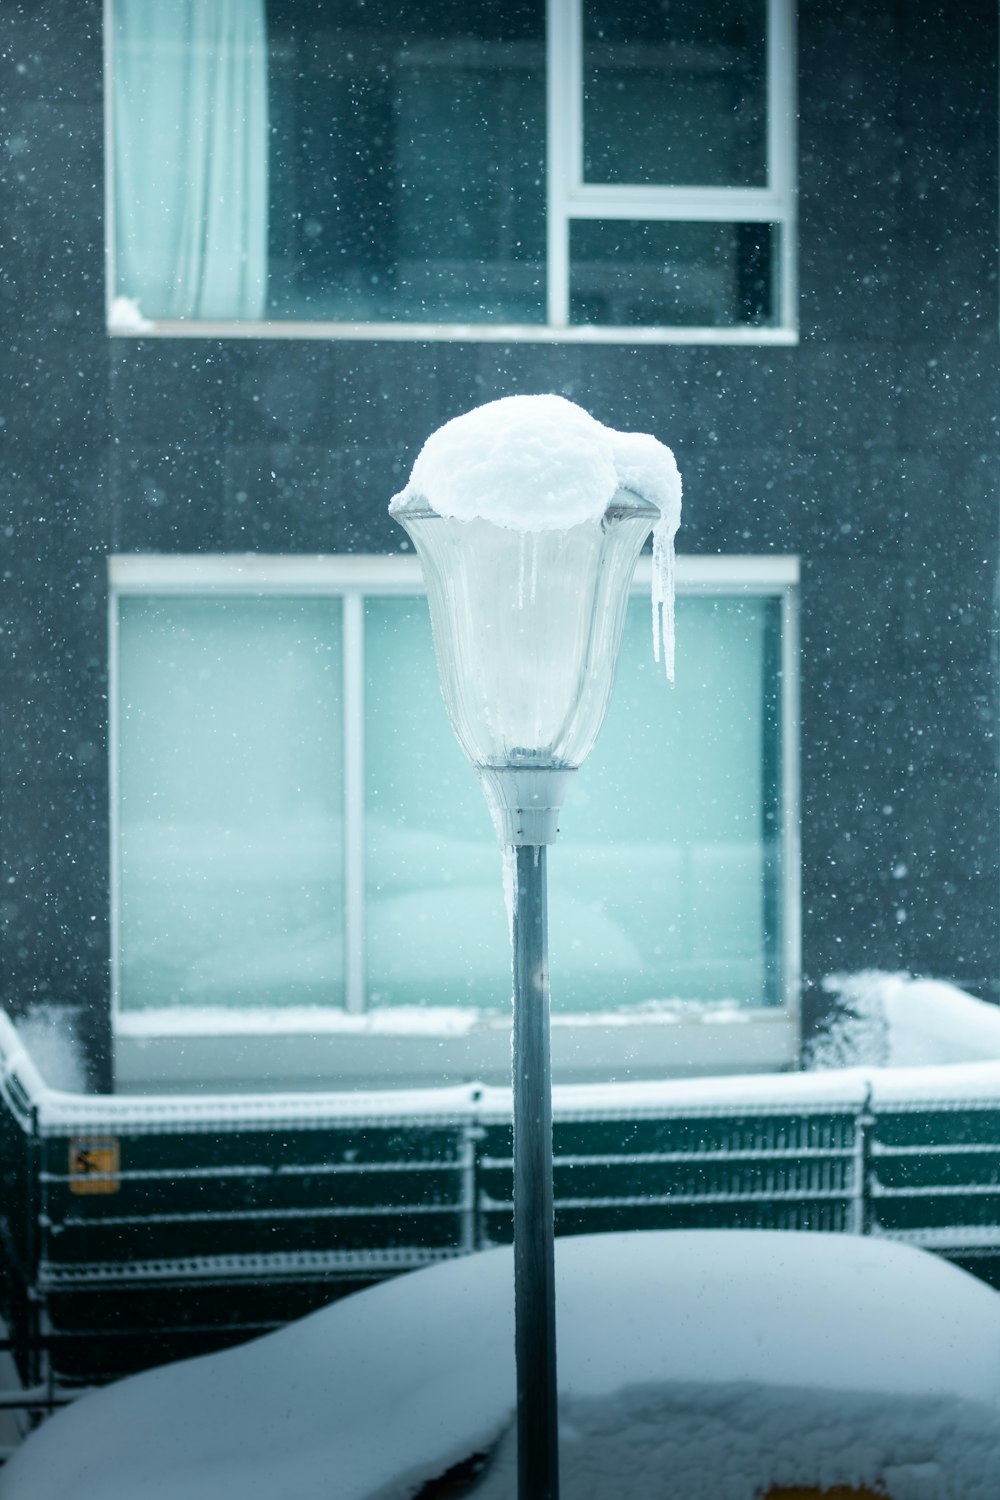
pixel 347 1047
pixel 568 199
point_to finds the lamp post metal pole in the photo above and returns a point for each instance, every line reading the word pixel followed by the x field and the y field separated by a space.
pixel 534 1250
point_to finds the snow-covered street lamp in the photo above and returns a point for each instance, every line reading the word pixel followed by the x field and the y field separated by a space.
pixel 528 517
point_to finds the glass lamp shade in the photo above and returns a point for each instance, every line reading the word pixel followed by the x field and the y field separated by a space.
pixel 527 629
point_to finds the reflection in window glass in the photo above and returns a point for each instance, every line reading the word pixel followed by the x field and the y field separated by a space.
pixel 231 851
pixel 359 162
pixel 641 273
pixel 230 836
pixel 191 158
pixel 675 94
pixel 664 883
pixel 407 160
pixel 436 928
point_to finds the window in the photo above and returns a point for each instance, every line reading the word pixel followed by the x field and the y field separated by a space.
pixel 470 170
pixel 300 846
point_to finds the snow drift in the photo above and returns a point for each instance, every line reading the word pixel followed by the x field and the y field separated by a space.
pixel 695 1363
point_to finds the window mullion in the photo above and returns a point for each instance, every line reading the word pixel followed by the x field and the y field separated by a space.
pixel 791 853
pixel 110 164
pixel 563 146
pixel 354 795
pixel 780 112
pixel 781 142
pixel 114 783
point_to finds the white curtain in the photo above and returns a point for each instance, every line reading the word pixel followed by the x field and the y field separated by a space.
pixel 190 139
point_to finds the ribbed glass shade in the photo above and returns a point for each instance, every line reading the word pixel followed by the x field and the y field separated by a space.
pixel 527 627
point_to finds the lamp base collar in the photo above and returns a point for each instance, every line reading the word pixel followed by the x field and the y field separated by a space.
pixel 525 802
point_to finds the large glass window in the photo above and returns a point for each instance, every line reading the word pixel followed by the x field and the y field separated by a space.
pixel 230 801
pixel 407 161
pixel 288 793
pixel 578 166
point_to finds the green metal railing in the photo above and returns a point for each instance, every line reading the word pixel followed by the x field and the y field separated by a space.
pixel 138 1230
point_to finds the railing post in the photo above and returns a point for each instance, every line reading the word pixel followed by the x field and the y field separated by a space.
pixel 861 1205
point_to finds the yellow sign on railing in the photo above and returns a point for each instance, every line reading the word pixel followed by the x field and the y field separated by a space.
pixel 94 1165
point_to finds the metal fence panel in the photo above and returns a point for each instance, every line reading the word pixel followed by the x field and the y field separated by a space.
pixel 137 1231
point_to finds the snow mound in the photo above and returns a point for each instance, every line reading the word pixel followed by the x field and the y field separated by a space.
pixel 896 1021
pixel 537 463
pixel 542 463
pixel 708 1363
pixel 49 1032
pixel 126 316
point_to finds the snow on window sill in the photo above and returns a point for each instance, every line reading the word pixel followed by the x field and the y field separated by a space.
pixel 128 326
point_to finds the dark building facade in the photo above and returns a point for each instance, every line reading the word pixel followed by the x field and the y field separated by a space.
pixel 866 446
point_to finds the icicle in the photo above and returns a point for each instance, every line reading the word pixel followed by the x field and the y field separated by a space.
pixel 522 566
pixel 663 590
pixel 534 566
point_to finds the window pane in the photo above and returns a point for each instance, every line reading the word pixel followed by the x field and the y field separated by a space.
pixel 230 796
pixel 407 160
pixel 631 273
pixel 436 926
pixel 676 94
pixel 664 882
pixel 190 157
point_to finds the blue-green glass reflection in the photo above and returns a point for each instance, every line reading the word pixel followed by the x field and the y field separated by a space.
pixel 436 928
pixel 230 844
pixel 664 881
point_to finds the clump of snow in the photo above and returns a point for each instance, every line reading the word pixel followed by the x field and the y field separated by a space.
pixel 126 316
pixel 527 463
pixel 896 1021
pixel 49 1034
pixel 855 1033
pixel 703 1363
pixel 542 463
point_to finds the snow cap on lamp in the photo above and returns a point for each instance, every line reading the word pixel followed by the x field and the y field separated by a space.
pixel 528 516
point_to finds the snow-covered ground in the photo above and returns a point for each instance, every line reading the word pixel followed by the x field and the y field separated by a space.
pixel 694 1363
pixel 13 1424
